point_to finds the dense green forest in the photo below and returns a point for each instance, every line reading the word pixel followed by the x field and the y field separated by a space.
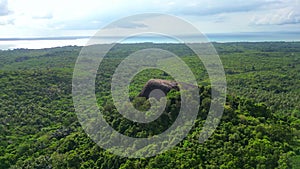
pixel 260 127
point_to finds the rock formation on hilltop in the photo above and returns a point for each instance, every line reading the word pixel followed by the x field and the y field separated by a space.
pixel 163 85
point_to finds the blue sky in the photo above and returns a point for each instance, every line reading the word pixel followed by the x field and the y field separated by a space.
pixel 53 18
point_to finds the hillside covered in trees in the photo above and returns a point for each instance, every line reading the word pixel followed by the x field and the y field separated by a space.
pixel 260 127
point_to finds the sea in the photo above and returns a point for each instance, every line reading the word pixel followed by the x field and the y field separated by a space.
pixel 49 42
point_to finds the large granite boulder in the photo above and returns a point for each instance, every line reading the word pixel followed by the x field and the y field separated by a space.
pixel 163 85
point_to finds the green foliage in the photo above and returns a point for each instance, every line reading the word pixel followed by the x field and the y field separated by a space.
pixel 259 128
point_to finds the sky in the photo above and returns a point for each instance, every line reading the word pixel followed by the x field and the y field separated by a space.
pixel 56 18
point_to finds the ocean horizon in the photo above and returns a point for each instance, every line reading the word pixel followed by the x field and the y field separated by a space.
pixel 50 42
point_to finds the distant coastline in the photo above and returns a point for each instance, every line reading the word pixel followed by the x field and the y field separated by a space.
pixel 49 42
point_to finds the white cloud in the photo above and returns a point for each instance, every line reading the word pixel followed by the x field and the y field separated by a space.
pixel 287 15
pixel 76 17
pixel 5 21
pixel 45 15
pixel 4 8
pixel 203 7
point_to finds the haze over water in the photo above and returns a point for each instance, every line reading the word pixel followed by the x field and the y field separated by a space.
pixel 39 43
